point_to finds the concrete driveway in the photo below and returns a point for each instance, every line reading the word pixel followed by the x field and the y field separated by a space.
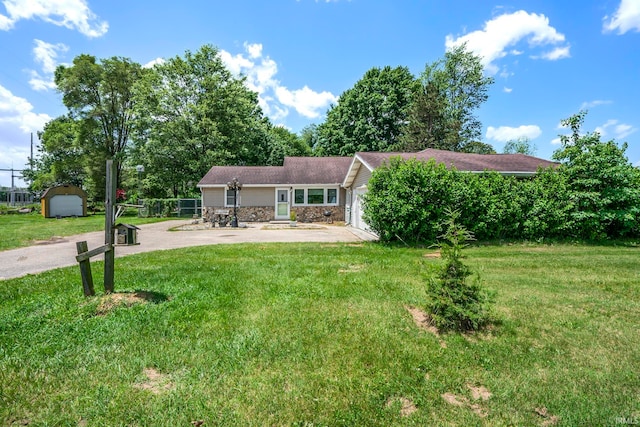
pixel 61 252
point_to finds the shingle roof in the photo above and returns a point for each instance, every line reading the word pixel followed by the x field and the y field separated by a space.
pixel 295 170
pixel 516 163
pixel 510 164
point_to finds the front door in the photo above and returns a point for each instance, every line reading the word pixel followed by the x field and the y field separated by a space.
pixel 282 203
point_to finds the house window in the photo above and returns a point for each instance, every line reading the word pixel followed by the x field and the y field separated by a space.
pixel 332 196
pixel 230 198
pixel 315 196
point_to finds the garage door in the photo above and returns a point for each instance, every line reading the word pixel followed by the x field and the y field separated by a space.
pixel 65 205
pixel 356 209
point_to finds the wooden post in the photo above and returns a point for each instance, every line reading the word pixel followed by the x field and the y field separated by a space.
pixel 85 270
pixel 109 217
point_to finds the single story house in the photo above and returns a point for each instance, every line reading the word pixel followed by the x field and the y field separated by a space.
pixel 310 186
pixel 315 186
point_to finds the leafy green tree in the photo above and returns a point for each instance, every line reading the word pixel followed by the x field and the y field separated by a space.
pixel 284 143
pixel 99 97
pixel 370 116
pixel 453 88
pixel 603 185
pixel 193 114
pixel 478 147
pixel 61 157
pixel 310 137
pixel 522 145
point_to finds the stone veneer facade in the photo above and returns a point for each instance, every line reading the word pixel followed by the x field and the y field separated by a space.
pixel 267 213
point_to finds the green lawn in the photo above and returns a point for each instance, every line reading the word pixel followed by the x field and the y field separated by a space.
pixel 318 334
pixel 24 229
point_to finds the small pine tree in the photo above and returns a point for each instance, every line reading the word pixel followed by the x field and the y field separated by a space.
pixel 454 303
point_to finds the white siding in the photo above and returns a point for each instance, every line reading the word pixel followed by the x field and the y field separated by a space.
pixel 360 181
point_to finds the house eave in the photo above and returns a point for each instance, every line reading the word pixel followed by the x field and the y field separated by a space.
pixel 353 170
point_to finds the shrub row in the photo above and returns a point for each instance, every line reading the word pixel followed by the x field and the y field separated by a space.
pixel 407 200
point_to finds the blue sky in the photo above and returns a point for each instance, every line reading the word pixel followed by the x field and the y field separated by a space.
pixel 549 58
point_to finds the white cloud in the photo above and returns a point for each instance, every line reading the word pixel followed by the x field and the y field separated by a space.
pixel 18 111
pixel 499 35
pixel 616 129
pixel 507 89
pixel 260 72
pixel 591 104
pixel 556 141
pixel 17 120
pixel 41 83
pixel 153 62
pixel 46 54
pixel 507 133
pixel 72 14
pixel 236 63
pixel 555 54
pixel 626 18
pixel 254 50
pixel 306 101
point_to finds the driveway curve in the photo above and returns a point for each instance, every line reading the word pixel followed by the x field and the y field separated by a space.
pixel 61 252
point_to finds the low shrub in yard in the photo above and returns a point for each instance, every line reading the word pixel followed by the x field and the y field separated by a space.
pixel 454 302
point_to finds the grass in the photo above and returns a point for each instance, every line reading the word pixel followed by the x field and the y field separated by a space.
pixel 20 230
pixel 318 334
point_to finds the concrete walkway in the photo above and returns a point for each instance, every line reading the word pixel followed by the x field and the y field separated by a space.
pixel 61 252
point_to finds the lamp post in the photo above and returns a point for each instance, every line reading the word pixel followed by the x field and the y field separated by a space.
pixel 235 186
pixel 140 169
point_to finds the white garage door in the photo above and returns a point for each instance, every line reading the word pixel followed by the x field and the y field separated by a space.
pixel 65 205
pixel 356 209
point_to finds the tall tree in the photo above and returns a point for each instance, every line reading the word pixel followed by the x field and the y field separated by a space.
pixel 453 88
pixel 99 96
pixel 61 158
pixel 193 114
pixel 603 185
pixel 310 137
pixel 522 145
pixel 285 143
pixel 426 125
pixel 369 116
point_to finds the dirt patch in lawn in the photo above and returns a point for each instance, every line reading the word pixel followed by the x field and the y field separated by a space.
pixel 156 382
pixel 407 407
pixel 463 402
pixel 549 420
pixel 109 302
pixel 479 392
pixel 422 321
pixel 435 254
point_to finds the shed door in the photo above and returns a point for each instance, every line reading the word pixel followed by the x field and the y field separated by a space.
pixel 65 205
